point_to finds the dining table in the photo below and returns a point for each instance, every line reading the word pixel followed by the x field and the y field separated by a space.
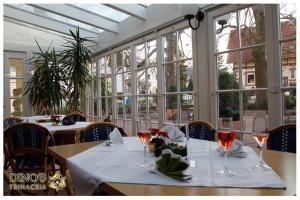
pixel 283 164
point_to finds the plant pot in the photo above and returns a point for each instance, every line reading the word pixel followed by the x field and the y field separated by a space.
pixel 151 147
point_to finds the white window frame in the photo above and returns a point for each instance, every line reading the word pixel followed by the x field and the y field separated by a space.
pixel 147 66
pixel 274 89
pixel 128 94
pixel 156 35
pixel 178 93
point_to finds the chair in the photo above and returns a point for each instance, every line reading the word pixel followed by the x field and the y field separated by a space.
pixel 283 138
pixel 99 131
pixel 10 121
pixel 200 130
pixel 76 116
pixel 27 146
pixel 63 137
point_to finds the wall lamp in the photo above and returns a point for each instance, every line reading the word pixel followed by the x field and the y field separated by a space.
pixel 198 18
pixel 222 23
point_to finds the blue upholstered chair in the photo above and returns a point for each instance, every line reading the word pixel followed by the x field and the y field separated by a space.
pixel 99 131
pixel 283 138
pixel 10 121
pixel 200 130
pixel 27 146
pixel 76 116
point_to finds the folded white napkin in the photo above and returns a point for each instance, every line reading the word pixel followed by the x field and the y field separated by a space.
pixel 175 135
pixel 235 150
pixel 116 137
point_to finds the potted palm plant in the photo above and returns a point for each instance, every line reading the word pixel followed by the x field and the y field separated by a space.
pixel 46 86
pixel 76 59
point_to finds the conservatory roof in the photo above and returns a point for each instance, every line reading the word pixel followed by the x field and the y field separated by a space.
pixel 112 21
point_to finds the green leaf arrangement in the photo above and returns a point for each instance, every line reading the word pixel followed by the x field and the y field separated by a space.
pixel 46 87
pixel 76 59
pixel 172 165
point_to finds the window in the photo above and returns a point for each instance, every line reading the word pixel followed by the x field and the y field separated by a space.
pixel 292 73
pixel 105 87
pixel 250 79
pixel 241 66
pixel 92 92
pixel 178 80
pixel 16 86
pixel 287 42
pixel 146 85
pixel 123 89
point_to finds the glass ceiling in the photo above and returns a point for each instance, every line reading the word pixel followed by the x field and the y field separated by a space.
pixel 104 11
pixel 50 15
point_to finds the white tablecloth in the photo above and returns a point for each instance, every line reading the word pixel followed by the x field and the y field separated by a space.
pixel 38 117
pixel 52 128
pixel 119 164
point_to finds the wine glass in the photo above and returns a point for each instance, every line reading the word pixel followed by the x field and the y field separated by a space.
pixel 226 137
pixel 260 134
pixel 145 137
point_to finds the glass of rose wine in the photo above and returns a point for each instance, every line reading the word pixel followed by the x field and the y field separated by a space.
pixel 260 134
pixel 226 137
pixel 145 137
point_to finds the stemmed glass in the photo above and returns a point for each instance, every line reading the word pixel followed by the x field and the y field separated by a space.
pixel 260 134
pixel 226 137
pixel 145 137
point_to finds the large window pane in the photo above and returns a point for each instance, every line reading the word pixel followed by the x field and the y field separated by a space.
pixel 255 105
pixel 94 86
pixel 151 52
pixel 102 66
pixel 16 107
pixel 288 63
pixel 16 87
pixel 252 25
pixel 152 80
pixel 187 108
pixel 185 43
pixel 141 107
pixel 229 107
pixel 140 55
pixel 103 107
pixel 119 84
pixel 228 70
pixel 254 68
pixel 119 57
pixel 127 60
pixel 128 127
pixel 170 77
pixel 128 107
pixel 170 45
pixel 289 106
pixel 186 75
pixel 288 20
pixel 108 65
pixel 141 82
pixel 95 105
pixel 127 82
pixel 15 67
pixel 226 37
pixel 153 108
pixel 120 106
pixel 108 86
pixel 171 114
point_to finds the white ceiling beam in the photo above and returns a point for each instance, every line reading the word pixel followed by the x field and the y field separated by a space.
pixel 47 17
pixel 133 10
pixel 79 15
pixel 38 21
